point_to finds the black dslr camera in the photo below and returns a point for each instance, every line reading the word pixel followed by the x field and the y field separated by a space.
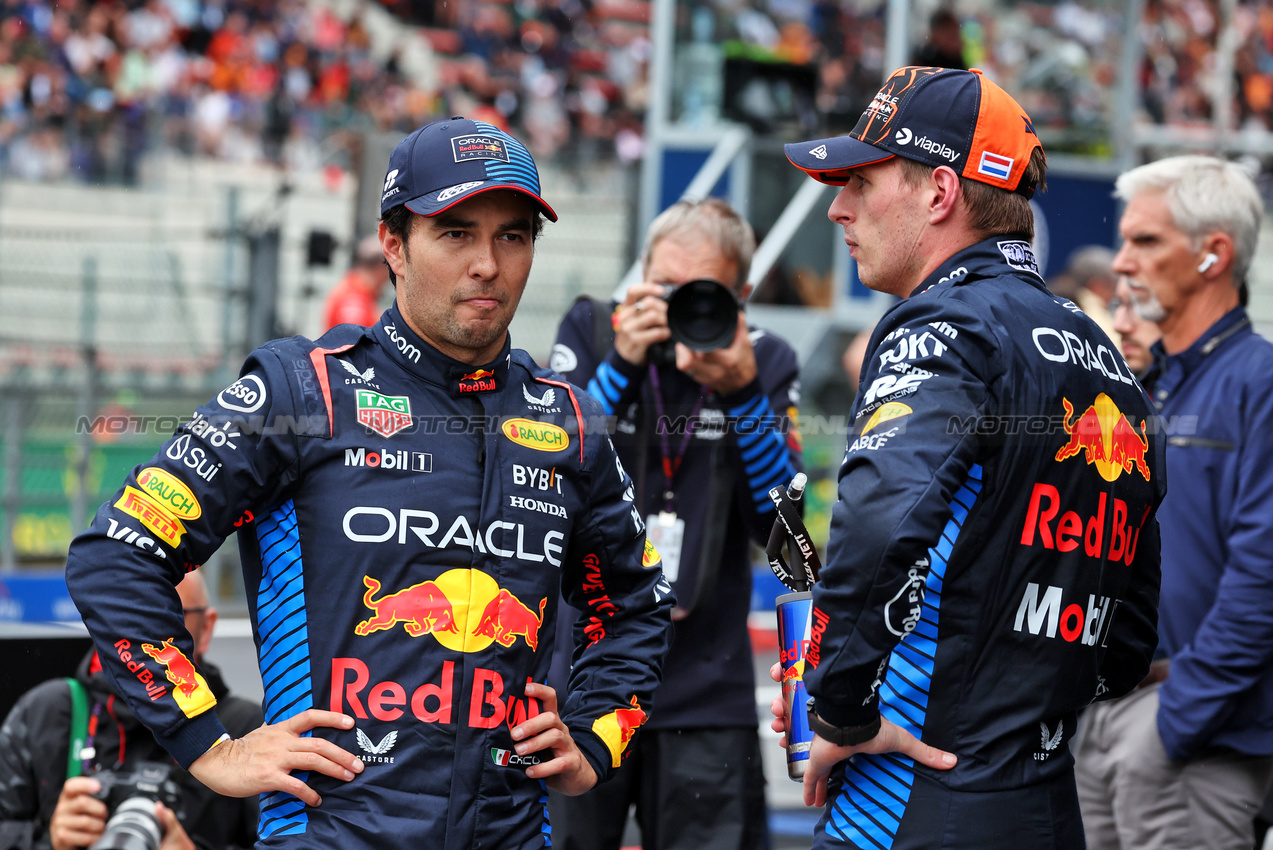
pixel 702 315
pixel 130 796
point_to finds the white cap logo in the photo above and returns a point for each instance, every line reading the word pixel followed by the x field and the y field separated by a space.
pixel 820 152
pixel 448 194
pixel 389 178
pixel 903 136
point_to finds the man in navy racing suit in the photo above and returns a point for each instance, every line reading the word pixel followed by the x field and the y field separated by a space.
pixel 993 560
pixel 410 500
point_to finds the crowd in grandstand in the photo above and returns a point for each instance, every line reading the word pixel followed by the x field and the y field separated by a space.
pixel 88 88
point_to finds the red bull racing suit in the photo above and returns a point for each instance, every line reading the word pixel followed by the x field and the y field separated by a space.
pixel 993 565
pixel 405 524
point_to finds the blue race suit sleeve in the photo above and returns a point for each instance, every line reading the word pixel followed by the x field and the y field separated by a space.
pixel 615 579
pixel 900 477
pixel 172 513
pixel 1233 646
pixel 606 376
pixel 765 419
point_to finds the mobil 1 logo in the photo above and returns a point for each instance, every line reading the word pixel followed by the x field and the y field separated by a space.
pixel 399 460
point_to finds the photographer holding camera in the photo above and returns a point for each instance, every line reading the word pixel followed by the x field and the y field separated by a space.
pixel 124 785
pixel 705 411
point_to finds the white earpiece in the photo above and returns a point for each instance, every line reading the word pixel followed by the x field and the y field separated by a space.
pixel 1207 262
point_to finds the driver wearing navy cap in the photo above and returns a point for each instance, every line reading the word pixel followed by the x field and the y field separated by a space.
pixel 411 500
pixel 992 565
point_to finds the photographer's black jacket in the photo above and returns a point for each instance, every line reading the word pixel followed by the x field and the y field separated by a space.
pixel 33 751
pixel 742 445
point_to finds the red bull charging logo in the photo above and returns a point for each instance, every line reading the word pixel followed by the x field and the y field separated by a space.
pixel 464 610
pixel 617 729
pixel 189 688
pixel 1107 439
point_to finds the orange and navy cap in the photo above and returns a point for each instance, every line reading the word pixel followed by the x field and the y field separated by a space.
pixel 449 161
pixel 937 116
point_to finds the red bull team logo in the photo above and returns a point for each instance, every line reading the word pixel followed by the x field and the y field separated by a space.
pixel 422 609
pixel 481 381
pixel 505 619
pixel 1108 440
pixel 465 610
pixel 617 729
pixel 384 414
pixel 189 688
pixel 479 147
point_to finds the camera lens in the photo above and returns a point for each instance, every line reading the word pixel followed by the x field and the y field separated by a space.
pixel 132 827
pixel 702 315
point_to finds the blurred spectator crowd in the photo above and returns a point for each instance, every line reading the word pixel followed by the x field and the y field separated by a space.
pixel 87 89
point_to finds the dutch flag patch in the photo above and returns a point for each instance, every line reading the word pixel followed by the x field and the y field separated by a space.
pixel 994 165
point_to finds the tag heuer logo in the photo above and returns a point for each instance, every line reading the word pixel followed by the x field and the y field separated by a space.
pixel 384 414
pixel 820 152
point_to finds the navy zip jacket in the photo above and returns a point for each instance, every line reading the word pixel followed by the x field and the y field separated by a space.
pixel 993 560
pixel 1216 613
pixel 741 445
pixel 406 524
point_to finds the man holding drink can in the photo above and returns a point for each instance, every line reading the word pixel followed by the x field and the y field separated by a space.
pixel 993 560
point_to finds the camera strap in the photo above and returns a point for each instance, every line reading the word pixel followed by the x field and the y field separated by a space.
pixel 671 462
pixel 78 731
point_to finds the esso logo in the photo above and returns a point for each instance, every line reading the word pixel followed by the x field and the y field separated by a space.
pixel 245 395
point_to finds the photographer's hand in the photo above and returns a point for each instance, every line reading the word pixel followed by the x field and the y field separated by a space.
pixel 175 837
pixel 79 819
pixel 725 370
pixel 263 759
pixel 642 322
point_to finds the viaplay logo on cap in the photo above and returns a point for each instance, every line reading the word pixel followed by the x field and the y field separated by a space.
pixel 479 147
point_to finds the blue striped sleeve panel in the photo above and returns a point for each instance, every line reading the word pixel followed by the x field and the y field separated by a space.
pixel 872 801
pixel 607 386
pixel 765 454
pixel 284 653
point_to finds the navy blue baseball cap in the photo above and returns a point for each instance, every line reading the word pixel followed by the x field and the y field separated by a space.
pixel 449 161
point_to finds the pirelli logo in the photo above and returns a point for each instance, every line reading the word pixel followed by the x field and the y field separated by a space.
pixel 164 525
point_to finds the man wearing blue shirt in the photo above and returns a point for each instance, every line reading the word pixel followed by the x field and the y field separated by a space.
pixel 1186 759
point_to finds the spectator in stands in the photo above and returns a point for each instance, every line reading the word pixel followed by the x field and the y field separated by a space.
pixel 356 298
pixel 944 47
pixel 44 804
pixel 1135 335
pixel 1187 759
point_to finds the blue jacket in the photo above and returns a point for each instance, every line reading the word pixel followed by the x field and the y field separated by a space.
pixel 993 561
pixel 406 524
pixel 741 445
pixel 1216 613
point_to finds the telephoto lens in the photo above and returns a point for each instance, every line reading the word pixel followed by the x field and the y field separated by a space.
pixel 702 315
pixel 134 826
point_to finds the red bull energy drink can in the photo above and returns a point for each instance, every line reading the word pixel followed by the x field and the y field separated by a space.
pixel 795 620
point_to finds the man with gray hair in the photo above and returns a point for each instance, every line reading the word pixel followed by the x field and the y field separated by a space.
pixel 705 434
pixel 1187 759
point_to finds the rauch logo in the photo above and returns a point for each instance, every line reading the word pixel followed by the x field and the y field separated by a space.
pixel 536 435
